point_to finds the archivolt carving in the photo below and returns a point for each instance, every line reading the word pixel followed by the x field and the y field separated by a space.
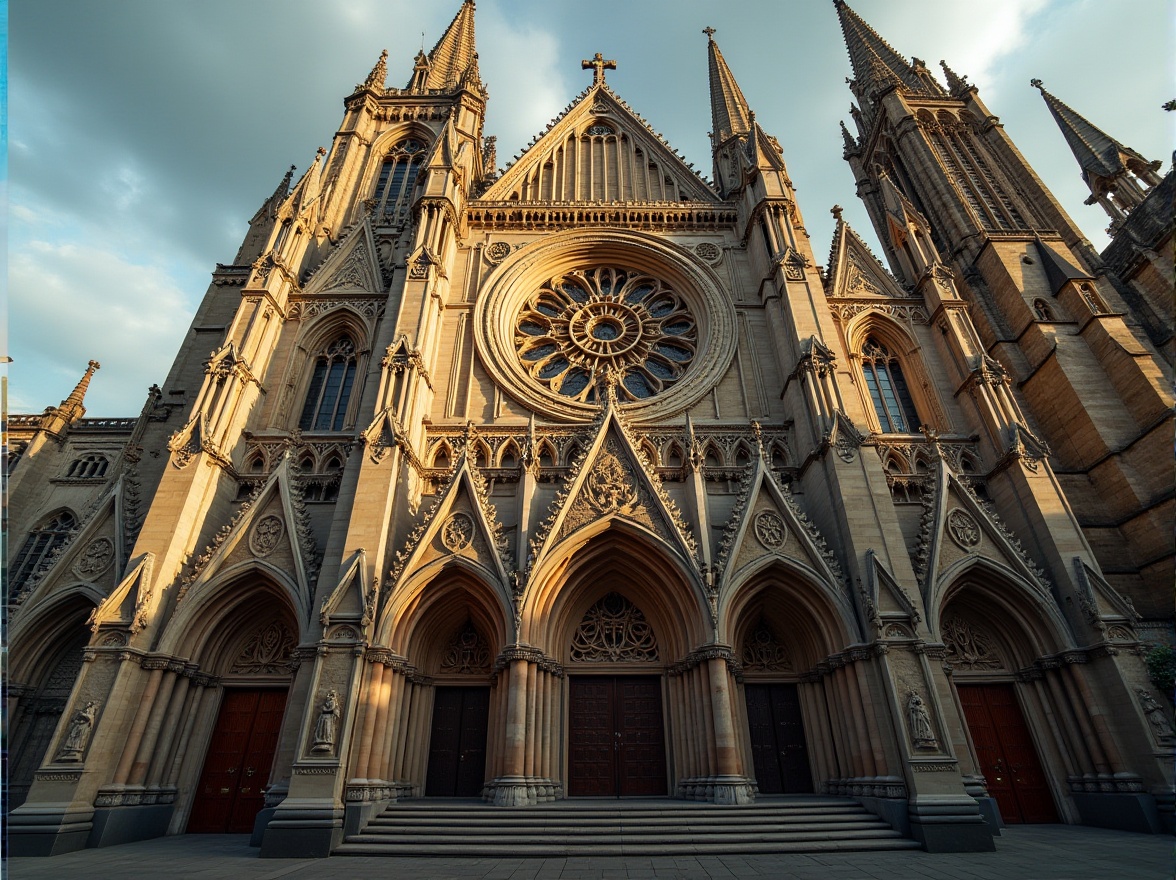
pixel 968 646
pixel 267 652
pixel 762 652
pixel 614 630
pixel 467 653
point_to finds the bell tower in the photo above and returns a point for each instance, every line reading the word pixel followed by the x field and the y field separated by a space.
pixel 1089 376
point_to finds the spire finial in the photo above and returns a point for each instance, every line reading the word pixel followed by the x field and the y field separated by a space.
pixel 71 408
pixel 955 82
pixel 1037 84
pixel 837 209
pixel 599 65
pixel 710 33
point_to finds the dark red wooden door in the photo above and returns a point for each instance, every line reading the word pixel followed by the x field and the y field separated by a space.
pixel 457 748
pixel 232 784
pixel 616 738
pixel 1004 749
pixel 778 747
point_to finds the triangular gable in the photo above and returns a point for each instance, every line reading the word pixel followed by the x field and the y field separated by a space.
pixel 612 480
pixel 272 529
pixel 1101 603
pixel 353 600
pixel 129 604
pixel 886 602
pixel 555 167
pixel 957 526
pixel 854 271
pixel 352 265
pixel 459 523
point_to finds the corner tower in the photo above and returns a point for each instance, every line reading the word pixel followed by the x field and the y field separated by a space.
pixel 1079 349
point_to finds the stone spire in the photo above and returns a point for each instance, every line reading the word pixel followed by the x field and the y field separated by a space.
pixel 729 111
pixel 1096 151
pixel 875 63
pixel 454 52
pixel 379 75
pixel 71 408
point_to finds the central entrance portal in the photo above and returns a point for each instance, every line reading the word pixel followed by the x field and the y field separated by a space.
pixel 777 739
pixel 617 740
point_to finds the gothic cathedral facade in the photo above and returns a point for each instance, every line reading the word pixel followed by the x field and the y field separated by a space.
pixel 486 469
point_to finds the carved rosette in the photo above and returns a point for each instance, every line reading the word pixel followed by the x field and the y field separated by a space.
pixel 263 540
pixel 614 631
pixel 457 532
pixel 963 529
pixel 770 529
pixel 467 653
pixel 95 559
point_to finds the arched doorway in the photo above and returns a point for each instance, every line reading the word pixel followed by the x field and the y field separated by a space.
pixel 248 649
pixel 985 645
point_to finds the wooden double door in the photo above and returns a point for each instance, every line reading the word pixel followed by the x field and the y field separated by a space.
pixel 778 746
pixel 616 738
pixel 237 766
pixel 1004 749
pixel 457 747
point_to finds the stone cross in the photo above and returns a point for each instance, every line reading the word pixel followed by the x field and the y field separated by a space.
pixel 599 65
pixel 710 33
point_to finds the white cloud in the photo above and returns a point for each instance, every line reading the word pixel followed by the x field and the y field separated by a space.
pixel 83 302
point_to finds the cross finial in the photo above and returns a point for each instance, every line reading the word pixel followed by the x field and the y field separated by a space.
pixel 599 65
pixel 710 33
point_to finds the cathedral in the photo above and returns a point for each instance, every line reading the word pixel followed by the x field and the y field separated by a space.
pixel 592 477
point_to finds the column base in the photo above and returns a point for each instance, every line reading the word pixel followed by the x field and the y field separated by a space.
pixel 521 791
pixel 724 790
pixel 949 823
pixel 305 829
pixel 1123 811
pixel 42 830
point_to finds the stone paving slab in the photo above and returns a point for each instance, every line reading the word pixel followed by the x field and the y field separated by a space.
pixel 1042 852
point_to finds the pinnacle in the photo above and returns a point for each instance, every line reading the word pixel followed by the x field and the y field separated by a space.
pixel 1096 151
pixel 454 53
pixel 72 406
pixel 730 114
pixel 875 62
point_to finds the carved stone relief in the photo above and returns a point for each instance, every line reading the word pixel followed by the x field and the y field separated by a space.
pixel 467 653
pixel 267 652
pixel 457 532
pixel 95 559
pixel 963 529
pixel 610 487
pixel 263 540
pixel 763 652
pixel 969 646
pixel 770 529
pixel 77 736
pixel 709 252
pixel 496 252
pixel 614 630
pixel 327 727
pixel 922 734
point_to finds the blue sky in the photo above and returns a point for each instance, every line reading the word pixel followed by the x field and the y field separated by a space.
pixel 144 134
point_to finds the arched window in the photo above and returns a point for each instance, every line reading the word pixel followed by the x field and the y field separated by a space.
pixel 37 549
pixel 888 389
pixel 398 176
pixel 330 387
pixel 1041 310
pixel 88 467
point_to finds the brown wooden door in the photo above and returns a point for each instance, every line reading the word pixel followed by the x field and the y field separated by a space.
pixel 778 747
pixel 236 770
pixel 616 737
pixel 457 748
pixel 1004 749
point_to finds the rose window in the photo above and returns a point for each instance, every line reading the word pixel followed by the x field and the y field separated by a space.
pixel 586 328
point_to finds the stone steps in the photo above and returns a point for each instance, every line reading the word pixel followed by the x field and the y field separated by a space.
pixel 609 827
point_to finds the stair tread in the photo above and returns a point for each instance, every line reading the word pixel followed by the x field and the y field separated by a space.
pixel 550 848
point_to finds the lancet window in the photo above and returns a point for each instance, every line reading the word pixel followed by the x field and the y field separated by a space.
pixel 87 467
pixel 398 176
pixel 330 387
pixel 38 549
pixel 888 389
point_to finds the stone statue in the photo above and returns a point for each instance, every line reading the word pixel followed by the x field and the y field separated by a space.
pixel 78 735
pixel 920 723
pixel 1156 716
pixel 328 724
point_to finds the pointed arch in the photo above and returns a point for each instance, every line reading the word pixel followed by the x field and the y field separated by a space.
pixel 333 352
pixel 44 539
pixel 897 390
pixel 615 556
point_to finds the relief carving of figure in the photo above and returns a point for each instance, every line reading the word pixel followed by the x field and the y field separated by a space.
pixel 327 726
pixel 920 723
pixel 1157 716
pixel 78 735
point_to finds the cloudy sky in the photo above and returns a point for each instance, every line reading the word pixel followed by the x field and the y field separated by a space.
pixel 144 133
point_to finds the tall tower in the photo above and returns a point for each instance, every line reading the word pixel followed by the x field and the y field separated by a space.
pixel 1086 368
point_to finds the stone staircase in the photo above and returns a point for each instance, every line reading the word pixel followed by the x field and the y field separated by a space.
pixel 623 828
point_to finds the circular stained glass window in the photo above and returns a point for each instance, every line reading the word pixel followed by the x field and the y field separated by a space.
pixel 585 326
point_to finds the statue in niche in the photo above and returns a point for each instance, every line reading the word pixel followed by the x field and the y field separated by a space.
pixel 327 726
pixel 78 735
pixel 920 723
pixel 1157 717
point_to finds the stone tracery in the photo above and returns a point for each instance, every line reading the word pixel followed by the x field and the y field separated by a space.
pixel 614 631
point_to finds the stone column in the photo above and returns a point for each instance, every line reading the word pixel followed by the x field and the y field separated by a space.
pixel 731 786
pixel 510 789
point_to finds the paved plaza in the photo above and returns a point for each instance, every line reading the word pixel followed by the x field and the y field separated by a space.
pixel 1042 852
